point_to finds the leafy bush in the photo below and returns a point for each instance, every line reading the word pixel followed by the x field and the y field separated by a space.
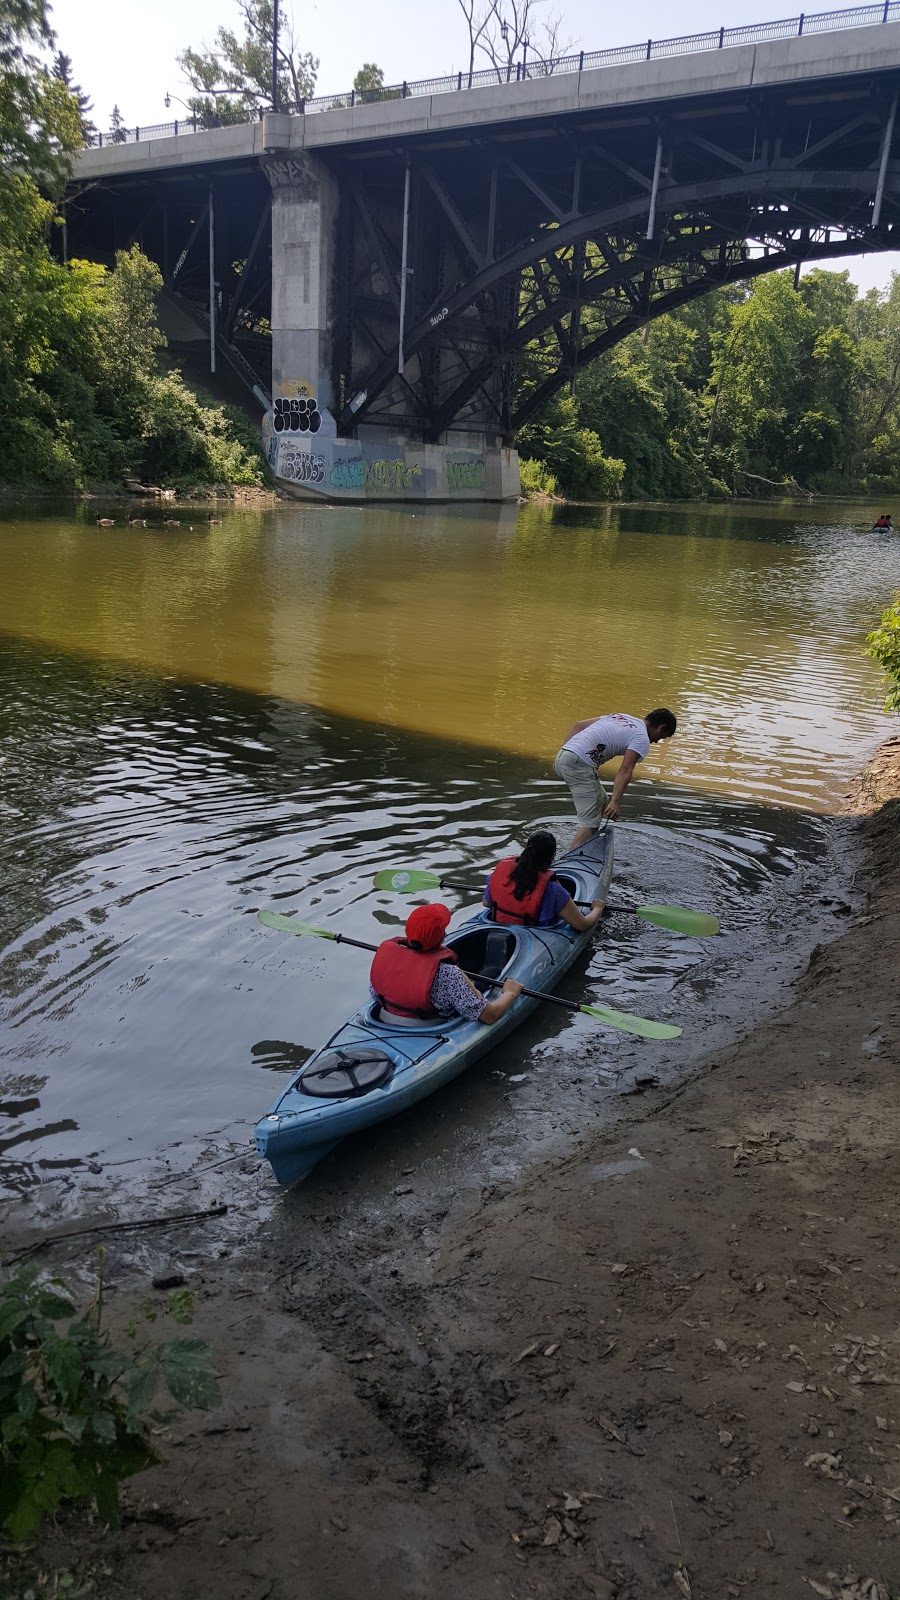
pixel 185 441
pixel 535 479
pixel 572 455
pixel 82 399
pixel 73 1407
pixel 883 645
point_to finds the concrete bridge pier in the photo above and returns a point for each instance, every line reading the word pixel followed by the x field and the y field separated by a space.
pixel 304 452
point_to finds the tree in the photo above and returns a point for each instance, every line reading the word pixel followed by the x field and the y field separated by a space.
pixel 513 32
pixel 368 85
pixel 369 77
pixel 117 131
pixel 62 71
pixel 40 123
pixel 233 77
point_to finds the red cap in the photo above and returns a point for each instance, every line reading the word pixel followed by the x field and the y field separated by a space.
pixel 427 925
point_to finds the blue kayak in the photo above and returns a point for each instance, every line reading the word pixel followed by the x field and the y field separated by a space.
pixel 370 1070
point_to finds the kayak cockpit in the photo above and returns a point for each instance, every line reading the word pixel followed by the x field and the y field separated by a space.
pixel 486 949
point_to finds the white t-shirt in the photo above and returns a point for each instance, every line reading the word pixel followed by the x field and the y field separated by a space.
pixel 608 737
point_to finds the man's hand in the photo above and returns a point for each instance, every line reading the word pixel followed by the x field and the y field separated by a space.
pixel 611 811
pixel 513 987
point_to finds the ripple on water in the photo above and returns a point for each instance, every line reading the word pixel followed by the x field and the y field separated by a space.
pixel 143 1005
pixel 145 817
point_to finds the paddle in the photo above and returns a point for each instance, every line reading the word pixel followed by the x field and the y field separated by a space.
pixel 677 918
pixel 622 1020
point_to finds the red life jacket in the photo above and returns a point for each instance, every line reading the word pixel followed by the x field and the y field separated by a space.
pixel 501 893
pixel 402 977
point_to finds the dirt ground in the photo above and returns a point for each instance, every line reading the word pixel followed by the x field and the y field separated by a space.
pixel 668 1364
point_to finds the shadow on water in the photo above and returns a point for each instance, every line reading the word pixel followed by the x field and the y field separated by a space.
pixel 146 821
pixel 197 723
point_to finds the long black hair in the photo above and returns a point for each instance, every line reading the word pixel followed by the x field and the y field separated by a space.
pixel 535 858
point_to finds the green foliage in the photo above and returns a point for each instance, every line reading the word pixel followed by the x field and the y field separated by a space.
pixel 369 77
pixel 40 118
pixel 186 441
pixel 81 396
pixel 767 381
pixel 883 645
pixel 233 77
pixel 62 69
pixel 571 454
pixel 368 85
pixel 73 1407
pixel 534 478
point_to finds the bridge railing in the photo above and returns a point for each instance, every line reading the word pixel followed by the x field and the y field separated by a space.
pixel 536 67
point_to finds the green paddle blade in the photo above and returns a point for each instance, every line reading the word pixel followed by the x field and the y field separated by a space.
pixel 274 919
pixel 680 920
pixel 626 1023
pixel 406 882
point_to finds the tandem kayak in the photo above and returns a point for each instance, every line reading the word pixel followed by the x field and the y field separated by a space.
pixel 370 1070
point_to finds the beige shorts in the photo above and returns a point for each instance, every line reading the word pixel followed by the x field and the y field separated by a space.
pixel 586 789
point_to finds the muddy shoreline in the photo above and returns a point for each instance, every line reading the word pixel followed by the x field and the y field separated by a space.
pixel 663 1364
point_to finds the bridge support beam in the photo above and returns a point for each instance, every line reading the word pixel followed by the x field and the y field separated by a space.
pixel 304 219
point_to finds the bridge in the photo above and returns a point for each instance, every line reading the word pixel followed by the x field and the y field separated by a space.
pixel 374 271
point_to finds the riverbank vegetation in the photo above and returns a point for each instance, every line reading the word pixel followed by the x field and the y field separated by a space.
pixel 748 388
pixel 82 395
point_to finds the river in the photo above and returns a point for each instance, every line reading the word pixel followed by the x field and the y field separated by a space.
pixel 199 721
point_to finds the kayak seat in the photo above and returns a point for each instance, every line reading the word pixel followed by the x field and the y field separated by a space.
pixel 486 949
pixel 496 953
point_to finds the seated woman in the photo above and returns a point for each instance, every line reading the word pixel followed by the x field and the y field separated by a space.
pixel 524 889
pixel 417 978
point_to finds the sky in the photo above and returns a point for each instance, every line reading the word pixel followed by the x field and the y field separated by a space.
pixel 125 54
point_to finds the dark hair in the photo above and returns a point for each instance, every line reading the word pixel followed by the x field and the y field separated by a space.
pixel 535 858
pixel 661 718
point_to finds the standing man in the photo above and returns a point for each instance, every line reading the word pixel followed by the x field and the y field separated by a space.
pixel 599 739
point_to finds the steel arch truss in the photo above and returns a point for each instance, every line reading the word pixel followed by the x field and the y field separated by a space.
pixel 543 235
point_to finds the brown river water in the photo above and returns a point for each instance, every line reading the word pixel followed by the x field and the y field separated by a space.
pixel 196 722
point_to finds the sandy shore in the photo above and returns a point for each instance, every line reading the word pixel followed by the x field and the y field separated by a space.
pixel 667 1364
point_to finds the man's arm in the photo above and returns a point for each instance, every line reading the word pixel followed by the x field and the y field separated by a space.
pixel 577 728
pixel 623 779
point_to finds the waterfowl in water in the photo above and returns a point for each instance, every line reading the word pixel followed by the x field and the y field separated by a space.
pixel 171 522
pixel 137 522
pixel 106 522
pixel 214 522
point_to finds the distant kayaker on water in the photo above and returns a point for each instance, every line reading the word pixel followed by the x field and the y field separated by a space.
pixel 884 521
pixel 524 889
pixel 417 979
pixel 596 740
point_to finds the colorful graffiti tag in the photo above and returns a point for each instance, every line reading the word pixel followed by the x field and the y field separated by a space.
pixel 358 474
pixel 297 464
pixel 465 475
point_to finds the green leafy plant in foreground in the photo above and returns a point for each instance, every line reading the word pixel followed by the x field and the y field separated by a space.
pixel 74 1408
pixel 883 645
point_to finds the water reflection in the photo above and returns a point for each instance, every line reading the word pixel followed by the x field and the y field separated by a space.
pixel 196 724
pixel 499 628
pixel 159 816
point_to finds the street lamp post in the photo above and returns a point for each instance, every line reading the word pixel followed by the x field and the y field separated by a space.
pixel 275 55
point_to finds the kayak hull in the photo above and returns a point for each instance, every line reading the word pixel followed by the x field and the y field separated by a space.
pixel 410 1063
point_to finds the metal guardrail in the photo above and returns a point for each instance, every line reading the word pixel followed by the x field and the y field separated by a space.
pixel 536 68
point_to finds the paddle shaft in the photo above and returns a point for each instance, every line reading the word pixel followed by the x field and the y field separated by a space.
pixel 479 977
pixel 448 883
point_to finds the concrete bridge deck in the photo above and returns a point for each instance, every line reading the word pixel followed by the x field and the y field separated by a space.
pixel 635 86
